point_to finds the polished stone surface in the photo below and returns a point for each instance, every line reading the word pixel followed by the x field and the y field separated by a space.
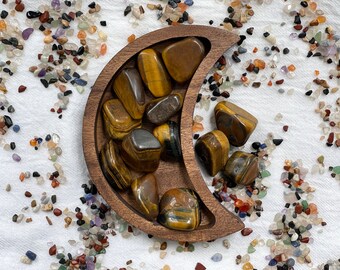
pixel 113 167
pixel 236 123
pixel 118 122
pixel 160 110
pixel 129 88
pixel 179 209
pixel 183 57
pixel 153 72
pixel 242 168
pixel 141 150
pixel 168 136
pixel 212 150
pixel 145 191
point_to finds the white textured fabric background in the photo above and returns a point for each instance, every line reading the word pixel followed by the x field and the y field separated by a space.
pixel 300 142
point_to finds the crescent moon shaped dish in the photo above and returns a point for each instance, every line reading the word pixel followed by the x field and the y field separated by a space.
pixel 182 174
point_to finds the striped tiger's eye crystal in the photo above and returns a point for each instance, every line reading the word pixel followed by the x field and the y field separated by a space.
pixel 113 167
pixel 179 209
pixel 118 122
pixel 168 136
pixel 242 168
pixel 145 191
pixel 183 57
pixel 212 149
pixel 154 73
pixel 141 150
pixel 129 88
pixel 236 123
pixel 160 110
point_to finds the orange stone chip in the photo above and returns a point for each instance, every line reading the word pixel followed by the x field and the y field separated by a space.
pixel 3 25
pixel 291 67
pixel 259 63
pixel 103 49
pixel 131 38
pixel 197 127
pixel 321 19
pixel 81 34
pixel 313 6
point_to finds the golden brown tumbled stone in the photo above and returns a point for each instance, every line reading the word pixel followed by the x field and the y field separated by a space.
pixel 242 168
pixel 236 123
pixel 129 88
pixel 160 110
pixel 212 150
pixel 183 57
pixel 153 72
pixel 141 150
pixel 113 167
pixel 179 209
pixel 145 191
pixel 118 122
pixel 168 136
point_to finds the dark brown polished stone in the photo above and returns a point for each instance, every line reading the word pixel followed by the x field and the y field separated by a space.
pixel 236 123
pixel 183 57
pixel 118 122
pixel 242 168
pixel 129 88
pixel 168 136
pixel 160 110
pixel 141 150
pixel 179 209
pixel 154 73
pixel 212 149
pixel 145 191
pixel 113 166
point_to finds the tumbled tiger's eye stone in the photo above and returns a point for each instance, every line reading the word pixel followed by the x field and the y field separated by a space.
pixel 242 168
pixel 118 122
pixel 160 110
pixel 168 136
pixel 141 150
pixel 113 167
pixel 154 73
pixel 236 123
pixel 179 210
pixel 145 191
pixel 212 149
pixel 129 88
pixel 183 57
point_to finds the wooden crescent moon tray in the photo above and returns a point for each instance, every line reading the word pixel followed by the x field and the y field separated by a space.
pixel 216 220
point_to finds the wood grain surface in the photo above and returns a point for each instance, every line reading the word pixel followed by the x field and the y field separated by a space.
pixel 216 220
